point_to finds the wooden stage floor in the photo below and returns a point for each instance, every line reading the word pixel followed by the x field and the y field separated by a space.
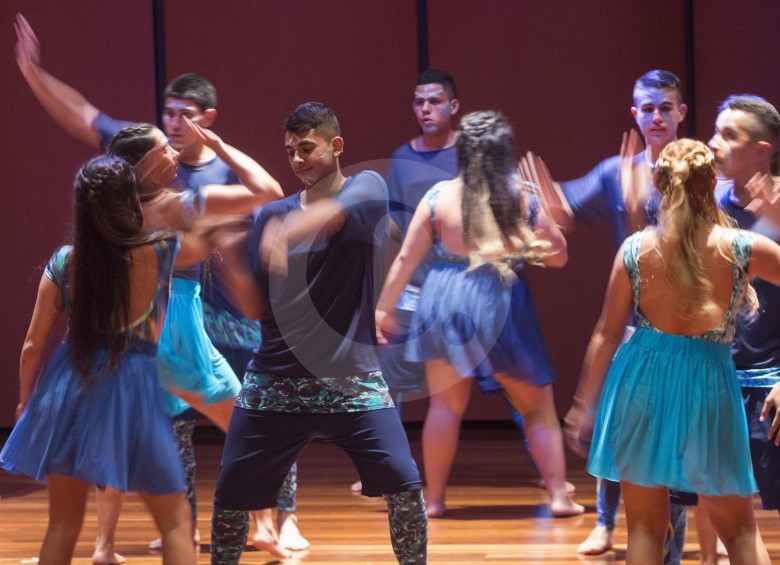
pixel 497 514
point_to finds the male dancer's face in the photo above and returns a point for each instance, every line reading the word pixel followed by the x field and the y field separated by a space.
pixel 433 108
pixel 736 154
pixel 311 156
pixel 174 111
pixel 658 112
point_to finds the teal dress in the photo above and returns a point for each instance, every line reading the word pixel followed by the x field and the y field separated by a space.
pixel 112 432
pixel 671 412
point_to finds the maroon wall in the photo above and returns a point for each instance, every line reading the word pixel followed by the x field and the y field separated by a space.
pixel 562 72
pixel 103 49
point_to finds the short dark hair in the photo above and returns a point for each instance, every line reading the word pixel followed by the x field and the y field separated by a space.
pixel 765 113
pixel 661 80
pixel 316 116
pixel 190 86
pixel 437 76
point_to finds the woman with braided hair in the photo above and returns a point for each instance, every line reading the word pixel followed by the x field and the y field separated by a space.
pixel 96 414
pixel 476 315
pixel 670 414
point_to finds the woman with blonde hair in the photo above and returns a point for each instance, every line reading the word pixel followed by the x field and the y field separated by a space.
pixel 670 414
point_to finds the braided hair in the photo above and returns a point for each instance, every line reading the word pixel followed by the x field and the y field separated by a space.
pixel 685 176
pixel 494 210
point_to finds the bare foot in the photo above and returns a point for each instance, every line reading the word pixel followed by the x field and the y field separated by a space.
pixel 562 507
pixel 289 535
pixel 720 549
pixel 106 555
pixel 435 510
pixel 265 537
pixel 598 541
pixel 570 488
pixel 356 487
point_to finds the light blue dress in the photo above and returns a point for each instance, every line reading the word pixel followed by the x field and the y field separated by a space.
pixel 671 412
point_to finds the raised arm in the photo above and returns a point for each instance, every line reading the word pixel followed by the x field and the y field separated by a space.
pixel 555 203
pixel 533 170
pixel 635 179
pixel 254 177
pixel 48 310
pixel 63 103
pixel 417 243
pixel 320 219
pixel 607 336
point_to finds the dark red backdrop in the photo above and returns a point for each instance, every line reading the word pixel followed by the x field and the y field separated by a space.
pixel 562 71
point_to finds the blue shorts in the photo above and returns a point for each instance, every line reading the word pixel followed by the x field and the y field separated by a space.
pixel 763 451
pixel 261 446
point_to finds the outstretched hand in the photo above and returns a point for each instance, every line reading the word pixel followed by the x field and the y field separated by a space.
pixel 635 178
pixel 273 247
pixel 28 48
pixel 771 403
pixel 532 169
pixel 765 193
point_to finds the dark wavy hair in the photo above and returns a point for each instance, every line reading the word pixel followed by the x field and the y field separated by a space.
pixel 485 149
pixel 109 224
pixel 493 202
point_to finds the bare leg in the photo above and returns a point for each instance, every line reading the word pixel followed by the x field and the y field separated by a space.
pixel 647 518
pixel 708 539
pixel 67 501
pixel 545 439
pixel 450 395
pixel 108 504
pixel 265 537
pixel 171 513
pixel 735 524
pixel 286 521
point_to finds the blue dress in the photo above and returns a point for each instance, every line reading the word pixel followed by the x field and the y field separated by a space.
pixel 671 412
pixel 474 320
pixel 187 359
pixel 114 431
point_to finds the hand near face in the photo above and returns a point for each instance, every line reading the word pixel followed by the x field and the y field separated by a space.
pixel 28 48
pixel 205 136
pixel 765 193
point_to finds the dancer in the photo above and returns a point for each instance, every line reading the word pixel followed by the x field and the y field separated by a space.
pixel 670 414
pixel 619 191
pixel 187 97
pixel 744 144
pixel 465 336
pixel 100 386
pixel 316 373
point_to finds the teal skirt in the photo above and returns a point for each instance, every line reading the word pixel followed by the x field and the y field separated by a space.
pixel 186 358
pixel 671 415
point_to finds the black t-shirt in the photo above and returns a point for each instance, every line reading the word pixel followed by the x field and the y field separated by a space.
pixel 319 319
